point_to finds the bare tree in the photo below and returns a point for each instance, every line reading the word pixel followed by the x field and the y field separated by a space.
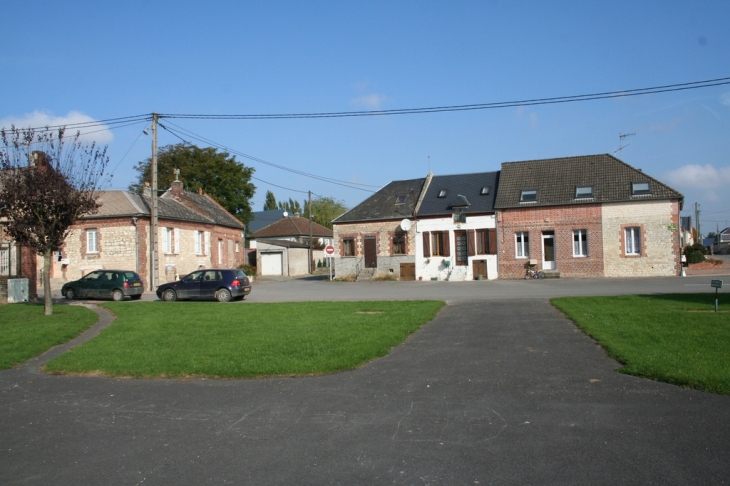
pixel 47 181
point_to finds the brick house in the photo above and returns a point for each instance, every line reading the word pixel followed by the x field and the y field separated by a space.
pixel 408 230
pixel 586 216
pixel 17 262
pixel 194 232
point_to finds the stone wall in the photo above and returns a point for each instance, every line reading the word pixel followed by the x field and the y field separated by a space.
pixel 388 263
pixel 562 220
pixel 660 255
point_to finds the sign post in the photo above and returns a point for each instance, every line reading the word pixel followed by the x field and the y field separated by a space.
pixel 716 284
pixel 329 251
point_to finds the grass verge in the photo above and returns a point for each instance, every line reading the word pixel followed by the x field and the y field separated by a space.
pixel 207 339
pixel 25 332
pixel 676 338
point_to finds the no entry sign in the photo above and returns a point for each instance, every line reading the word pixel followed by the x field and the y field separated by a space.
pixel 329 250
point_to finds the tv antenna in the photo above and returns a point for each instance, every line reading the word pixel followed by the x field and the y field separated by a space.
pixel 621 145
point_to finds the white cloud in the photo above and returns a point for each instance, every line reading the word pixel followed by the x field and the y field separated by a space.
pixel 38 119
pixel 695 176
pixel 725 99
pixel 372 101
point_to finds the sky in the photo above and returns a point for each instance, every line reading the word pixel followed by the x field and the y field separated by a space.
pixel 65 62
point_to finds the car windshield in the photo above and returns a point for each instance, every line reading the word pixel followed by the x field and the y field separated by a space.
pixel 92 276
pixel 195 276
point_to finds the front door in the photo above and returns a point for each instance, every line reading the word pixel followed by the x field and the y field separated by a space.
pixel 461 256
pixel 548 250
pixel 371 254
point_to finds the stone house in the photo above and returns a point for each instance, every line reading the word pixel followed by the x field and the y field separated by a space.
pixel 283 246
pixel 194 232
pixel 586 216
pixel 408 229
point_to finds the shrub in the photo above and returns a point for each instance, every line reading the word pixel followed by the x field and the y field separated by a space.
pixel 248 269
pixel 695 253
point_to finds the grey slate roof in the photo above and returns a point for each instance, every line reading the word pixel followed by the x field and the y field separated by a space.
pixel 462 190
pixel 556 179
pixel 382 205
pixel 261 219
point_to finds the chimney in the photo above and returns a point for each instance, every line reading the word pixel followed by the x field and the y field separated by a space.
pixel 147 190
pixel 176 188
pixel 200 191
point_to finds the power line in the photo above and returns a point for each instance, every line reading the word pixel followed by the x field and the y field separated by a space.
pixel 480 106
pixel 256 159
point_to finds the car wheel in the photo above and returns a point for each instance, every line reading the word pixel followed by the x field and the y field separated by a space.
pixel 223 295
pixel 169 295
pixel 136 297
pixel 117 295
pixel 70 294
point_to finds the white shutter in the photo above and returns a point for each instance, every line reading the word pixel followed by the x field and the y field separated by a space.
pixel 207 242
pixel 177 241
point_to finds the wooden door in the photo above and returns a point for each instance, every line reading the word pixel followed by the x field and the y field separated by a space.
pixel 371 253
pixel 479 268
pixel 408 271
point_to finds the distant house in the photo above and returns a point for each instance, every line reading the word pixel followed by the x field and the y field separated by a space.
pixel 194 231
pixel 722 242
pixel 437 227
pixel 586 216
pixel 283 246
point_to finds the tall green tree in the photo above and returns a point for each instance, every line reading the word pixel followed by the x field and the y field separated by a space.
pixel 216 173
pixel 270 201
pixel 291 206
pixel 324 210
pixel 47 181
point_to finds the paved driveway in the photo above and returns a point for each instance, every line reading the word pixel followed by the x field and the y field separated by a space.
pixel 493 391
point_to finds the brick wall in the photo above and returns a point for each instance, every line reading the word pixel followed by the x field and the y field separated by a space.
pixel 562 220
pixel 383 231
pixel 660 254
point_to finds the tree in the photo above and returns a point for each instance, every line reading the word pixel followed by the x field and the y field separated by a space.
pixel 46 183
pixel 216 173
pixel 270 201
pixel 291 206
pixel 324 210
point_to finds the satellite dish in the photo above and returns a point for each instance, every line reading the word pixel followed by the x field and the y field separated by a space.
pixel 405 224
pixel 284 214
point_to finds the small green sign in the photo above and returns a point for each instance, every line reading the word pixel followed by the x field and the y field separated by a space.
pixel 717 284
pixel 672 227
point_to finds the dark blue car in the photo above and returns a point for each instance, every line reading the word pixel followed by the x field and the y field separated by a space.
pixel 222 284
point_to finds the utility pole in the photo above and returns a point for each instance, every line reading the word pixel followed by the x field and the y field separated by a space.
pixel 697 219
pixel 153 216
pixel 311 266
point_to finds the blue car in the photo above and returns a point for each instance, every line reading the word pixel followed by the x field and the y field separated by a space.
pixel 221 284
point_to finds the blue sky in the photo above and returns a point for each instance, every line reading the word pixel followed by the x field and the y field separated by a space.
pixel 73 61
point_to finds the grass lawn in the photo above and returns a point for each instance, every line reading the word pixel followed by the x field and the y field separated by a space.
pixel 25 332
pixel 675 338
pixel 181 339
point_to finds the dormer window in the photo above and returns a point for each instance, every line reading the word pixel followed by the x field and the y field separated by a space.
pixel 583 192
pixel 400 199
pixel 528 195
pixel 442 193
pixel 638 188
pixel 485 191
pixel 459 215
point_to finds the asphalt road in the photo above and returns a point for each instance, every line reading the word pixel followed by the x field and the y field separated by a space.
pixel 498 389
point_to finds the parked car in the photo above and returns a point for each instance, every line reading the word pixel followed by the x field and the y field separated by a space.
pixel 222 284
pixel 104 284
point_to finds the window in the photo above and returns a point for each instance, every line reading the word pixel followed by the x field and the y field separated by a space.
pixel 437 243
pixel 167 240
pixel 583 192
pixel 522 245
pixel 399 245
pixel 633 241
pixel 528 195
pixel 580 243
pixel 459 215
pixel 92 241
pixel 442 193
pixel 400 199
pixel 198 242
pixel 220 251
pixel 484 191
pixel 486 241
pixel 640 188
pixel 348 247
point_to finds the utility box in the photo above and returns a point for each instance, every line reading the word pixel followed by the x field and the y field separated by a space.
pixel 17 290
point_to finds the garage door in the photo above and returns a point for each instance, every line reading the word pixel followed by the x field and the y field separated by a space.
pixel 272 264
